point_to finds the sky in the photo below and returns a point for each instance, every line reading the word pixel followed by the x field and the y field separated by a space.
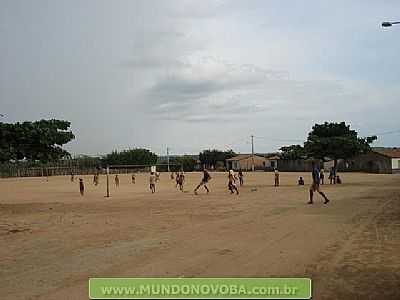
pixel 194 75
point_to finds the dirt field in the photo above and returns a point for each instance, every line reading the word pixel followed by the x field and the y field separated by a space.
pixel 52 239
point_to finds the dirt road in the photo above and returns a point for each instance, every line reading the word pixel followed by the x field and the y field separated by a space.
pixel 52 239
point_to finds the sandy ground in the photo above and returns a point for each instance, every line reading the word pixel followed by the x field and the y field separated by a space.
pixel 52 239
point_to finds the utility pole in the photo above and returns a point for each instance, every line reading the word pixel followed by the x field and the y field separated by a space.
pixel 108 182
pixel 252 153
pixel 168 158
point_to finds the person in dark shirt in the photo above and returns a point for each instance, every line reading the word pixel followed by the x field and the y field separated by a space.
pixel 204 181
pixel 81 186
pixel 301 181
pixel 241 177
pixel 315 185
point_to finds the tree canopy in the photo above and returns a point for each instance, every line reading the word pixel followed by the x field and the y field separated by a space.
pixel 136 156
pixel 211 157
pixel 40 140
pixel 336 141
pixel 293 152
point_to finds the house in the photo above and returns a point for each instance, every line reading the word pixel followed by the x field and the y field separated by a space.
pixel 245 161
pixel 393 154
pixel 379 160
pixel 272 162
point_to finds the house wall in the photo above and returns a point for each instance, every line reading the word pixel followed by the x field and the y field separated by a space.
pixel 246 163
pixel 371 162
pixel 298 165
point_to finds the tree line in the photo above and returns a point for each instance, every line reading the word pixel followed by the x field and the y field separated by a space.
pixel 42 141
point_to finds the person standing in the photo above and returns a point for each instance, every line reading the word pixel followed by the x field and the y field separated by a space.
pixel 81 186
pixel 133 178
pixel 152 180
pixel 181 180
pixel 116 180
pixel 240 177
pixel 276 175
pixel 315 184
pixel 322 176
pixel 204 181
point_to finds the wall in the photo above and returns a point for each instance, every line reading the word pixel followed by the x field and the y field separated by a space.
pixel 396 165
pixel 371 162
pixel 299 165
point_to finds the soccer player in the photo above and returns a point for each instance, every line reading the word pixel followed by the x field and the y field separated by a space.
pixel 81 186
pixel 232 182
pixel 72 177
pixel 332 176
pixel 152 181
pixel 94 179
pixel 117 180
pixel 241 177
pixel 204 181
pixel 180 180
pixel 133 178
pixel 338 180
pixel 172 176
pixel 315 185
pixel 276 177
pixel 322 176
pixel 301 181
pixel 157 176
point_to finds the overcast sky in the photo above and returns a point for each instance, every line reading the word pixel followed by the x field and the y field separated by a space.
pixel 200 74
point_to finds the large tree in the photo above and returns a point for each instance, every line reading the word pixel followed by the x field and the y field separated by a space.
pixel 131 157
pixel 211 157
pixel 336 141
pixel 40 140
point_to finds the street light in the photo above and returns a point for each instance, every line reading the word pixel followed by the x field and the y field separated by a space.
pixel 389 24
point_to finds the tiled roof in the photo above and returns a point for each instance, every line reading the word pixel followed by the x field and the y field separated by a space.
pixel 390 152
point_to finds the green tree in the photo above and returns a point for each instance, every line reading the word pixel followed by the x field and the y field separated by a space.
pixel 136 156
pixel 293 152
pixel 211 157
pixel 187 162
pixel 40 140
pixel 336 141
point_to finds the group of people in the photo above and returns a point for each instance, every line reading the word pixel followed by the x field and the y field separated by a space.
pixel 318 177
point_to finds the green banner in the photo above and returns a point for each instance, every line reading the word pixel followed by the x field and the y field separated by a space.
pixel 199 288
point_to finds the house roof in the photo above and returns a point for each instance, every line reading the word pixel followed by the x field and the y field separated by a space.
pixel 242 156
pixel 275 157
pixel 389 152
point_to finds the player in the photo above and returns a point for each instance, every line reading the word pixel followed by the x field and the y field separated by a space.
pixel 322 176
pixel 332 176
pixel 177 179
pixel 338 180
pixel 232 182
pixel 241 178
pixel 315 184
pixel 204 181
pixel 94 179
pixel 72 177
pixel 172 176
pixel 97 179
pixel 301 181
pixel 157 176
pixel 133 178
pixel 152 181
pixel 81 186
pixel 116 180
pixel 276 177
pixel 180 180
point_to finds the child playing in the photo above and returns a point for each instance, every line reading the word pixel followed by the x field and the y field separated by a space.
pixel 232 182
pixel 81 186
pixel 152 180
